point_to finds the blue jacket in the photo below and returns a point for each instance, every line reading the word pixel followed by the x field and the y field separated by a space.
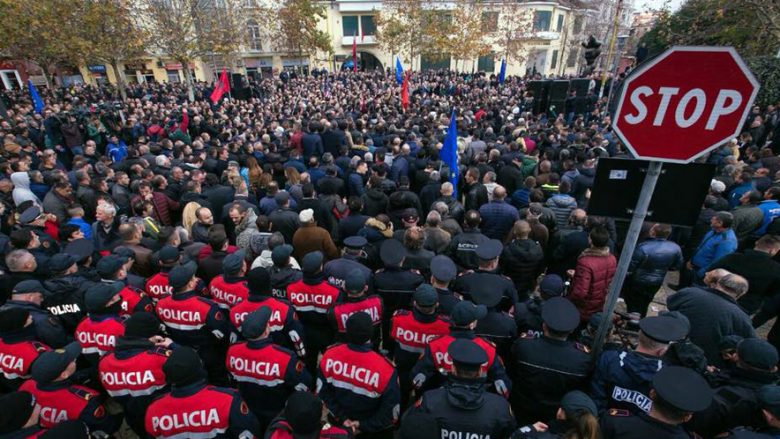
pixel 498 217
pixel 737 192
pixel 117 151
pixel 86 229
pixel 713 247
pixel 652 259
pixel 355 185
pixel 312 145
pixel 622 380
pixel 771 210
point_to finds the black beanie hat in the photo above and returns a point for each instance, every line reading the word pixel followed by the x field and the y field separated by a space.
pixel 142 325
pixel 359 328
pixel 17 408
pixel 183 367
pixel 13 319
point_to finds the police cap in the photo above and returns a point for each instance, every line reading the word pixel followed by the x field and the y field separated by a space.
pixel 98 295
pixel 142 325
pixel 560 315
pixel 259 282
pixel 50 364
pixel 682 388
pixel 769 399
pixel 303 412
pixel 392 252
pixel 125 252
pixel 61 262
pixel 168 255
pixel 466 354
pixel 552 285
pixel 29 215
pixel 28 286
pixel 679 316
pixel 312 262
pixel 488 296
pixel 757 353
pixel 233 262
pixel 663 329
pixel 70 429
pixel 443 269
pixel 426 295
pixel 281 254
pixel 355 242
pixel 490 249
pixel 575 402
pixel 81 249
pixel 360 327
pixel 465 312
pixel 108 265
pixel 183 367
pixel 17 409
pixel 729 342
pixel 255 323
pixel 13 319
pixel 355 282
pixel 180 275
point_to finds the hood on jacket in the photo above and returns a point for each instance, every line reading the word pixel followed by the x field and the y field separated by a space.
pixel 466 395
pixel 380 227
pixel 375 194
pixel 588 172
pixel 640 368
pixel 562 201
pixel 21 180
pixel 248 222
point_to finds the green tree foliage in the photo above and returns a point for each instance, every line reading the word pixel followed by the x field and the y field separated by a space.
pixel 295 27
pixel 766 69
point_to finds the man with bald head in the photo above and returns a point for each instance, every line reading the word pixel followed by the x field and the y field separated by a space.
pixel 456 209
pixel 498 216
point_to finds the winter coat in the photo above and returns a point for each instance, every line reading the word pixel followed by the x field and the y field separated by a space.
pixel 592 276
pixel 652 259
pixel 498 217
pixel 22 192
pixel 522 260
pixel 374 202
pixel 164 207
pixel 246 229
pixel 562 205
pixel 57 206
pixel 713 247
pixel 309 238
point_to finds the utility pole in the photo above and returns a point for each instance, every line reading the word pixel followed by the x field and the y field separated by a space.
pixel 610 53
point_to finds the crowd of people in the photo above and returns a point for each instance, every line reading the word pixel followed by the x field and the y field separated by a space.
pixel 299 265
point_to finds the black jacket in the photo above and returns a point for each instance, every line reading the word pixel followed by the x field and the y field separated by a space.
pixel 523 261
pixel 374 202
pixel 476 196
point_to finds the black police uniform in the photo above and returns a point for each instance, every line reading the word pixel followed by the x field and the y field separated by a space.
pixel 463 408
pixel 394 284
pixel 336 271
pixel 543 369
pixel 64 299
pixel 743 433
pixel 622 379
pixel 48 328
pixel 463 247
pixel 528 317
pixel 474 282
pixel 497 326
pixel 445 270
pixel 680 388
pixel 281 277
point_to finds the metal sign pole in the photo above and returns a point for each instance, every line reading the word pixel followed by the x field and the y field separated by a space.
pixel 640 212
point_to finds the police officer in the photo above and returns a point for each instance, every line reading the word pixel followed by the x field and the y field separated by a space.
pixel 463 246
pixel 543 369
pixel 34 219
pixel 497 326
pixel 64 294
pixel 735 402
pixel 528 314
pixel 411 331
pixel 394 284
pixel 444 271
pixel 622 378
pixel 486 276
pixel 60 399
pixel 355 300
pixel 112 270
pixel 266 373
pixel 462 408
pixel 83 250
pixel 282 271
pixel 286 329
pixel 19 417
pixel 677 393
pixel 577 417
pixel 133 374
pixel 192 407
pixel 351 259
pixel 98 332
pixel 193 320
pixel 28 295
pixel 157 286
pixel 769 403
pixel 359 386
pixel 230 288
pixel 313 297
pixel 19 346
pixel 132 279
pixel 435 363
pixel 302 417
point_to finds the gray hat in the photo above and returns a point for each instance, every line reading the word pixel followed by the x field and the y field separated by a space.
pixel 81 249
pixel 392 252
pixel 281 197
pixel 61 262
pixel 312 262
pixel 98 295
pixel 426 295
pixel 180 275
pixel 280 254
pixel 465 312
pixel 233 262
pixel 443 269
pixel 489 250
pixel 50 364
pixel 255 323
pixel 355 282
pixel 28 286
pixel 29 215
pixel 109 265
pixel 757 353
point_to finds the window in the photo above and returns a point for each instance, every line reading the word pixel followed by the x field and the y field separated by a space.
pixel 367 25
pixel 577 24
pixel 554 60
pixel 572 60
pixel 489 21
pixel 487 63
pixel 542 21
pixel 559 26
pixel 255 40
pixel 173 76
pixel 349 25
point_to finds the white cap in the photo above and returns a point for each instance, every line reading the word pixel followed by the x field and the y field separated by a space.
pixel 306 216
pixel 717 186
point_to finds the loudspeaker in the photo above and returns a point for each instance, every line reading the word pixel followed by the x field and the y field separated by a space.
pixel 580 86
pixel 236 79
pixel 558 91
pixel 541 91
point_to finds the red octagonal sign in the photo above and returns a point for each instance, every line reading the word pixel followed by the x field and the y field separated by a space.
pixel 684 103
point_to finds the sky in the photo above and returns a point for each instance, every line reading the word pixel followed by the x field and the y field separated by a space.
pixel 641 5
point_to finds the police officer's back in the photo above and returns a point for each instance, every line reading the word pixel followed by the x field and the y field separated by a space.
pixel 337 270
pixel 544 369
pixel 528 314
pixel 28 295
pixel 302 417
pixel 677 393
pixel 486 276
pixel 282 272
pixel 463 408
pixel 497 326
pixel 463 246
pixel 769 403
pixel 354 299
pixel 98 332
pixel 19 346
pixel 394 284
pixel 622 379
pixel 210 411
pixel 443 272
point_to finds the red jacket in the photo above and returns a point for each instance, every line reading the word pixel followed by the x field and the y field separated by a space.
pixel 592 276
pixel 163 207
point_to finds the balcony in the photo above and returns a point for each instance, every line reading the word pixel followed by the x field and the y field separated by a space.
pixel 365 41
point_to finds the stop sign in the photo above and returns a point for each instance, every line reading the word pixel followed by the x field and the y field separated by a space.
pixel 684 103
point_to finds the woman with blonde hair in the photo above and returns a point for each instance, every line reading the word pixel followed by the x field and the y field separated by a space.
pixel 291 176
pixel 189 216
pixel 251 173
pixel 576 419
